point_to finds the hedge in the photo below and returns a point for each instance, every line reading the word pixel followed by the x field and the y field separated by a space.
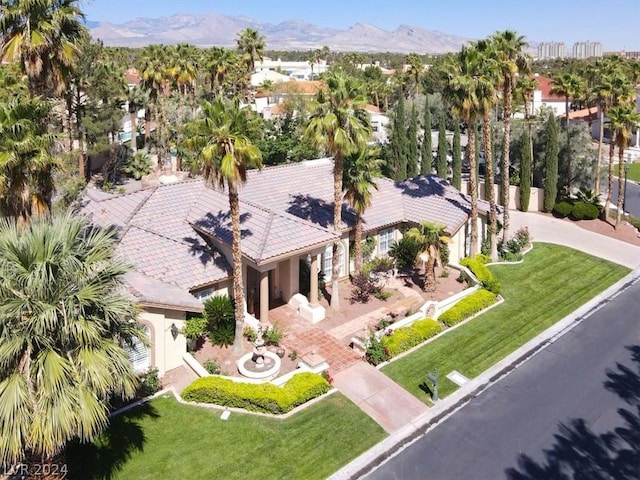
pixel 584 211
pixel 467 307
pixel 405 338
pixel 562 209
pixel 482 273
pixel 258 397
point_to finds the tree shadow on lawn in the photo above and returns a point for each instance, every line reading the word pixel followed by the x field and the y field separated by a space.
pixel 580 453
pixel 104 457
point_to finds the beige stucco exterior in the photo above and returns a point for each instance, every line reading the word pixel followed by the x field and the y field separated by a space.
pixel 166 352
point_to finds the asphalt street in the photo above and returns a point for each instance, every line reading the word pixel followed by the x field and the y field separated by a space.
pixel 633 197
pixel 563 414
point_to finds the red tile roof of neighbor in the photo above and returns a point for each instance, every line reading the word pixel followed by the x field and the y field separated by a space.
pixel 372 109
pixel 132 77
pixel 545 84
pixel 169 233
pixel 584 114
pixel 307 87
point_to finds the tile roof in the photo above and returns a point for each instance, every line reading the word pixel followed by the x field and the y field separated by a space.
pixel 147 290
pixel 545 84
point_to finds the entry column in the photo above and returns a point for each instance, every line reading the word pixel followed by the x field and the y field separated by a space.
pixel 313 292
pixel 264 297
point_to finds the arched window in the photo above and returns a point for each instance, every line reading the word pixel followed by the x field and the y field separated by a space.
pixel 326 261
pixel 139 355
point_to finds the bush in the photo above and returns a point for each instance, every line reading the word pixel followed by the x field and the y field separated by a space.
pixel 482 273
pixel 272 335
pixel 562 209
pixel 363 287
pixel 250 334
pixel 482 258
pixel 377 265
pixel 149 383
pixel 404 251
pixel 382 295
pixel 468 307
pixel 138 165
pixel 195 328
pixel 376 352
pixel 406 338
pixel 523 236
pixel 261 397
pixel 584 211
pixel 212 366
pixel 220 316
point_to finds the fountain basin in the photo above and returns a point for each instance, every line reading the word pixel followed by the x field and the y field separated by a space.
pixel 247 367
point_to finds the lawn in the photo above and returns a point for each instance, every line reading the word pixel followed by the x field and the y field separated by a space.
pixel 552 282
pixel 634 170
pixel 168 440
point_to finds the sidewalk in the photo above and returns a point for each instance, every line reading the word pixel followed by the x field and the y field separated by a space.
pixel 543 229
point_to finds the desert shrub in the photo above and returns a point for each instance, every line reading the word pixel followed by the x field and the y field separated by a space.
pixel 377 265
pixel 562 209
pixel 212 366
pixel 272 335
pixel 482 273
pixel 363 287
pixel 467 307
pixel 404 251
pixel 149 383
pixel 250 334
pixel 587 195
pixel 405 338
pixel 523 236
pixel 584 211
pixel 263 397
pixel 138 165
pixel 376 352
pixel 383 295
pixel 220 316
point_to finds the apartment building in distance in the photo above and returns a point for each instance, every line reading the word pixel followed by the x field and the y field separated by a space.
pixel 587 49
pixel 552 50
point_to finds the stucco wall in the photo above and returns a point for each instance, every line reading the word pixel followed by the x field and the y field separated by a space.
pixel 166 352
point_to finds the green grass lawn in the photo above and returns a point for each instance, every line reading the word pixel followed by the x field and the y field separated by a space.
pixel 552 282
pixel 634 171
pixel 167 440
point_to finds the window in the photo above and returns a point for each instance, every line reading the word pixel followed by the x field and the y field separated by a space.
pixel 385 241
pixel 139 355
pixel 202 295
pixel 327 257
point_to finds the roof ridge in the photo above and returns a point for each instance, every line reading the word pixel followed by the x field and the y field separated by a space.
pixel 263 241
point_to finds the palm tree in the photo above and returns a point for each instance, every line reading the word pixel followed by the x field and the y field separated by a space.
pixel 225 154
pixel 432 238
pixel 568 85
pixel 338 125
pixel 508 46
pixel 460 91
pixel 136 100
pixel 220 63
pixel 26 162
pixel 154 79
pixel 251 46
pixel 44 37
pixel 623 119
pixel 487 97
pixel 64 324
pixel 361 168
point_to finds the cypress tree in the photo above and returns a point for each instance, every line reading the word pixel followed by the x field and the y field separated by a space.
pixel 441 164
pixel 457 158
pixel 525 172
pixel 426 159
pixel 399 142
pixel 412 144
pixel 551 164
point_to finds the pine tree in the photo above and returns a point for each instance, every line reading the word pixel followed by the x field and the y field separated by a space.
pixel 551 164
pixel 426 159
pixel 441 164
pixel 457 158
pixel 525 172
pixel 399 143
pixel 412 144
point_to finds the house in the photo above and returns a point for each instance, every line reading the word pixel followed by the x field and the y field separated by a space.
pixel 544 99
pixel 177 237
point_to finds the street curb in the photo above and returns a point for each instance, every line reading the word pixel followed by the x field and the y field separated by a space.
pixel 444 408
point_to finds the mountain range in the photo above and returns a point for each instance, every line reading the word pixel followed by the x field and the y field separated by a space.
pixel 211 29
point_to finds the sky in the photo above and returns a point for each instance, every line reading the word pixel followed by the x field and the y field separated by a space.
pixel 614 23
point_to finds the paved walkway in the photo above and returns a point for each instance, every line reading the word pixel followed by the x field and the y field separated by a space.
pixel 391 406
pixel 549 229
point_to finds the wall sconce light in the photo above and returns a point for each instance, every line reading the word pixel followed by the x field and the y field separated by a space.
pixel 174 331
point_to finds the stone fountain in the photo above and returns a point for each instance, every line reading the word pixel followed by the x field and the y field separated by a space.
pixel 260 363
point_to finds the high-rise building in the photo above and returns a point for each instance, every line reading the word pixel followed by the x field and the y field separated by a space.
pixel 587 49
pixel 552 50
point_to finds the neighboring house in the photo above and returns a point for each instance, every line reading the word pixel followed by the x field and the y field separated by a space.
pixel 379 124
pixel 634 142
pixel 299 70
pixel 544 99
pixel 292 91
pixel 178 239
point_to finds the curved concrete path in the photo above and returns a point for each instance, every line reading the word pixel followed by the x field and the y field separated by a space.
pixel 544 228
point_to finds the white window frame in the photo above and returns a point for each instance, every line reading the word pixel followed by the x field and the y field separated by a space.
pixel 385 240
pixel 327 261
pixel 139 355
pixel 203 295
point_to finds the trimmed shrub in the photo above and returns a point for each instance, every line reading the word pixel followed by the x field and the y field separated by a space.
pixel 468 307
pixel 562 209
pixel 482 273
pixel 404 251
pixel 482 258
pixel 584 211
pixel 257 397
pixel 405 338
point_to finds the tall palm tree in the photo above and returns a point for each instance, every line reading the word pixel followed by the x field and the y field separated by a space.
pixel 568 85
pixel 361 168
pixel 251 46
pixel 487 79
pixel 44 37
pixel 220 63
pixel 136 100
pixel 338 125
pixel 460 92
pixel 508 46
pixel 432 239
pixel 26 161
pixel 155 77
pixel 225 154
pixel 624 118
pixel 63 325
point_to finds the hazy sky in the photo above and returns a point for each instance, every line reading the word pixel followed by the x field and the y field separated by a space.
pixel 614 23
